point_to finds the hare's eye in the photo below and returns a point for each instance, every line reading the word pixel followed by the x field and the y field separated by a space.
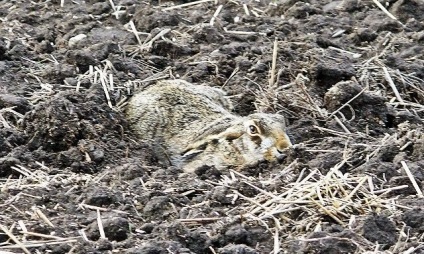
pixel 253 129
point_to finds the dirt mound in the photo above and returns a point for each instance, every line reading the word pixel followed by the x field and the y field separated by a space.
pixel 348 75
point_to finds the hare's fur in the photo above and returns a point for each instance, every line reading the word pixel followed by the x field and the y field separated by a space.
pixel 193 126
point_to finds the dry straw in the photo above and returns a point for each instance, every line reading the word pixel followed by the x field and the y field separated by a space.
pixel 291 202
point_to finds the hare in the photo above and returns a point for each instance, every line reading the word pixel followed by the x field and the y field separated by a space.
pixel 194 126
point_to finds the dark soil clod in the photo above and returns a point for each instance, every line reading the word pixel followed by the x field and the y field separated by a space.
pixel 348 77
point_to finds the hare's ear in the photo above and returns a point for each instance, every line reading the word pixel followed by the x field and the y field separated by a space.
pixel 230 134
pixel 217 127
pixel 190 154
pixel 199 146
pixel 194 149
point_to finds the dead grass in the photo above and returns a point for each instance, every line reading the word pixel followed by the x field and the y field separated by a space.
pixel 305 201
pixel 29 181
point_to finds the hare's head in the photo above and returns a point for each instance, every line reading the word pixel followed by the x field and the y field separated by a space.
pixel 265 136
pixel 244 140
pixel 240 141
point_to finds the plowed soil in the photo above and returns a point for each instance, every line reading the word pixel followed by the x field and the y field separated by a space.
pixel 348 75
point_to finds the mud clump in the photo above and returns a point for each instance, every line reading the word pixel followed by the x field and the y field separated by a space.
pixel 75 178
pixel 367 105
pixel 380 229
pixel 74 130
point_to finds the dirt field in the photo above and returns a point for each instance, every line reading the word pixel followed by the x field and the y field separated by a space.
pixel 347 75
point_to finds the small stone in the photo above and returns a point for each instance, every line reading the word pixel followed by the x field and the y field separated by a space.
pixel 74 40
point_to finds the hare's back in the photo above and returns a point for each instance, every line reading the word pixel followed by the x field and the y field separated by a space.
pixel 165 109
pixel 211 95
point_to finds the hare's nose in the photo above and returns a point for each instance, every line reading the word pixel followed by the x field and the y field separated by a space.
pixel 279 151
pixel 283 148
pixel 281 157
